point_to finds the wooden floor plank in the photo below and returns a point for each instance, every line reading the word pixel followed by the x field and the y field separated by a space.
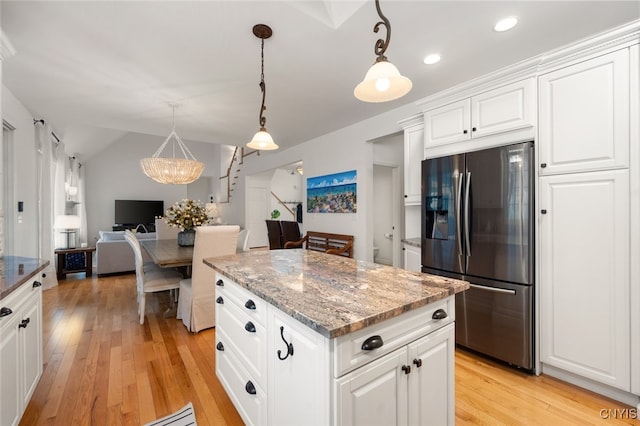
pixel 102 367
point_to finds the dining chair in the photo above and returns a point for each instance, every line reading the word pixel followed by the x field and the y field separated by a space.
pixel 274 232
pixel 196 304
pixel 149 279
pixel 164 231
pixel 243 241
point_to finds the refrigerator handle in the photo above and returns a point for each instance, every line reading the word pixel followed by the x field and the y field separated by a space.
pixel 458 208
pixel 466 214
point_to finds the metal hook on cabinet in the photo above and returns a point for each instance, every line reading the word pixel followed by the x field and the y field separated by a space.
pixel 289 346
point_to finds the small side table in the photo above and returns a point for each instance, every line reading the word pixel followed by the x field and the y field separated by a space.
pixel 74 260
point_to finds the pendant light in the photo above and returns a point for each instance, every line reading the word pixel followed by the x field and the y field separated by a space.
pixel 383 82
pixel 172 170
pixel 262 140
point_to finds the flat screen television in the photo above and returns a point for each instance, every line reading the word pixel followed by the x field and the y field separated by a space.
pixel 133 212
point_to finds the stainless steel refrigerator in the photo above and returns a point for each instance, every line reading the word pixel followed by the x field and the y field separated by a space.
pixel 477 225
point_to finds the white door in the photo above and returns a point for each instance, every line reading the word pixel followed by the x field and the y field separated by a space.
pixel 431 392
pixel 584 275
pixel 375 394
pixel 257 211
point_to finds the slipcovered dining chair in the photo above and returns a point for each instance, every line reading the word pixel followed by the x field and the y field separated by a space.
pixel 164 231
pixel 150 279
pixel 196 304
pixel 243 241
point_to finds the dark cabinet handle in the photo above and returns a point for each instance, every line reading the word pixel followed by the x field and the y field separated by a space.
pixel 250 388
pixel 373 342
pixel 406 196
pixel 543 211
pixel 24 323
pixel 473 129
pixel 417 362
pixel 220 283
pixel 220 300
pixel 37 284
pixel 4 311
pixel 289 346
pixel 543 165
pixel 220 346
pixel 439 314
pixel 250 305
pixel 250 327
pixel 406 369
pixel 465 131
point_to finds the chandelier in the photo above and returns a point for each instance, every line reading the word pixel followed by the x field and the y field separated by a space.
pixel 262 140
pixel 172 170
pixel 383 82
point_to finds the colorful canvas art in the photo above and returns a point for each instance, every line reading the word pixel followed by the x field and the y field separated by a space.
pixel 334 193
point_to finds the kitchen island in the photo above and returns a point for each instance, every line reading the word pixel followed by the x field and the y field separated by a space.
pixel 309 338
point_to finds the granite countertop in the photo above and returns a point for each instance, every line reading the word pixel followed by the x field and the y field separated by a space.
pixel 16 270
pixel 416 242
pixel 331 294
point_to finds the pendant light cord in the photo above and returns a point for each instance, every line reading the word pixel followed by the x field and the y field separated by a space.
pixel 381 45
pixel 263 87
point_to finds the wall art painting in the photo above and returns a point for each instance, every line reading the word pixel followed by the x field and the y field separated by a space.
pixel 334 193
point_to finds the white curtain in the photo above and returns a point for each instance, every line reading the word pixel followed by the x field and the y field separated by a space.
pixel 78 180
pixel 45 146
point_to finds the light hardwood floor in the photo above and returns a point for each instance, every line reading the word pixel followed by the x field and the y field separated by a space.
pixel 102 368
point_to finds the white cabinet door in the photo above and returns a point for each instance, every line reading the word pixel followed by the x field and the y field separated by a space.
pixel 448 124
pixel 412 258
pixel 298 382
pixel 584 115
pixel 31 345
pixel 584 274
pixel 413 156
pixel 431 390
pixel 10 400
pixel 375 394
pixel 505 108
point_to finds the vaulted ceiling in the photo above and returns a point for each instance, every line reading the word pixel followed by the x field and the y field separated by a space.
pixel 96 70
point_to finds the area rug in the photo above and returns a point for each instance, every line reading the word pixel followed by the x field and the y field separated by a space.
pixel 183 417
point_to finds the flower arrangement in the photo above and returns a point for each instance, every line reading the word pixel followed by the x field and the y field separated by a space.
pixel 186 215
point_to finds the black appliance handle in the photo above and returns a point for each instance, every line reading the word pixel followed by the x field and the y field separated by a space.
pixel 458 208
pixel 467 210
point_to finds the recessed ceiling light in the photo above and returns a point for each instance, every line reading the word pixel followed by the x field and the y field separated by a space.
pixel 506 24
pixel 432 59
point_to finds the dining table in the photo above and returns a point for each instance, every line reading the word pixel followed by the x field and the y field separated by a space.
pixel 167 253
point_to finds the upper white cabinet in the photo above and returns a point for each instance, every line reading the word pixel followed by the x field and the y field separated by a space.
pixel 499 110
pixel 413 156
pixel 584 115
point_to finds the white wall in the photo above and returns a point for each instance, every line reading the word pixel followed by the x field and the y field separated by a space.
pixel 115 174
pixel 288 187
pixel 25 234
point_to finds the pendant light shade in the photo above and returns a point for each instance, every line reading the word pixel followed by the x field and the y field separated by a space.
pixel 172 170
pixel 262 140
pixel 383 82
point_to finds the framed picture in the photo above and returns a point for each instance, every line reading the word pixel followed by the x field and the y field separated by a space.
pixel 334 193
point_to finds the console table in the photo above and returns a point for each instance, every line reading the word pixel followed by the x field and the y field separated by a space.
pixel 74 260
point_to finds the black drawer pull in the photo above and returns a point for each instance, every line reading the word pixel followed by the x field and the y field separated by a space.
pixel 250 327
pixel 220 300
pixel 473 129
pixel 289 346
pixel 406 369
pixel 439 314
pixel 220 283
pixel 4 311
pixel 373 342
pixel 543 211
pixel 417 362
pixel 250 388
pixel 543 165
pixel 465 131
pixel 24 323
pixel 37 284
pixel 220 346
pixel 250 305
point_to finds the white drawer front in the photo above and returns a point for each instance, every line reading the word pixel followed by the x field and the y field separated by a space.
pixel 248 347
pixel 255 307
pixel 251 407
pixel 394 333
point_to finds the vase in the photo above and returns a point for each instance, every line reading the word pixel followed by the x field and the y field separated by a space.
pixel 187 238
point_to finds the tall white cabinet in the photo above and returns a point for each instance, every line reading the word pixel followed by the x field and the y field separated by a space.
pixel 585 219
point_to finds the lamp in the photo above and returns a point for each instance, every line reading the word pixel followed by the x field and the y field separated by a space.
pixel 69 224
pixel 171 170
pixel 383 82
pixel 262 140
pixel 212 212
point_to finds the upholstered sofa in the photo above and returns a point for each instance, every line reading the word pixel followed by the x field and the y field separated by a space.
pixel 114 255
